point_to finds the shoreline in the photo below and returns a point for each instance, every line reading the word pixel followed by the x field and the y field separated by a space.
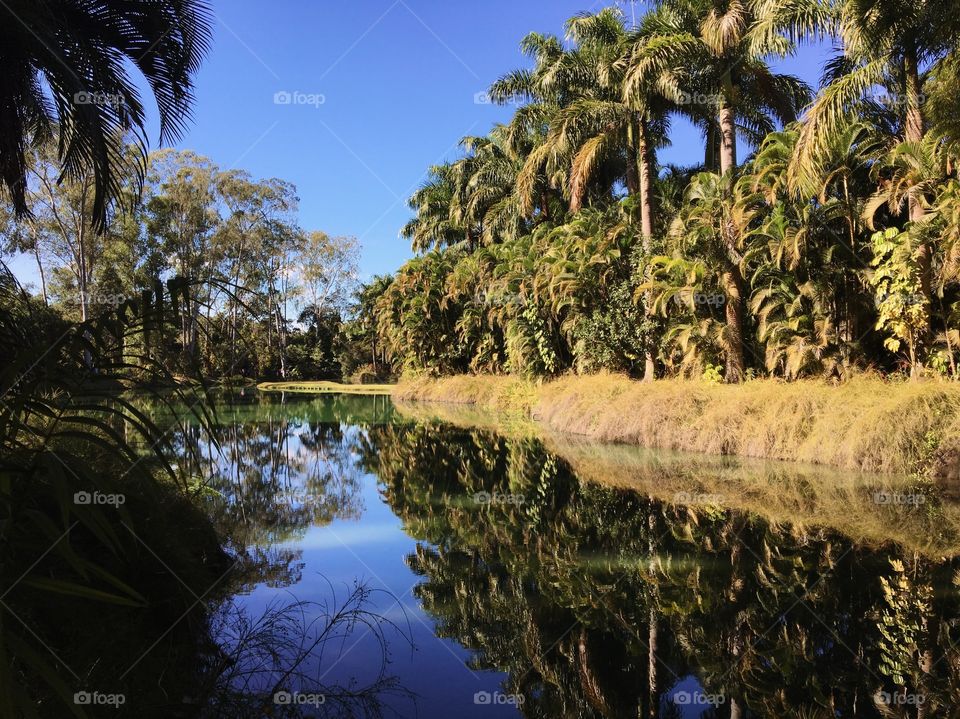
pixel 866 424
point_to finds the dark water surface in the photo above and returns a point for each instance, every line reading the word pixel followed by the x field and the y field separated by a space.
pixel 500 581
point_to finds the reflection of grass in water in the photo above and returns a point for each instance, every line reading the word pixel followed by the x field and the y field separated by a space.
pixel 804 495
pixel 866 423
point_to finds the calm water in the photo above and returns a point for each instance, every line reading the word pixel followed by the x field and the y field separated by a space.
pixel 496 580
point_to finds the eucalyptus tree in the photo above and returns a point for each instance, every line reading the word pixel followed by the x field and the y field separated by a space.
pixel 61 231
pixel 182 217
pixel 250 213
pixel 68 69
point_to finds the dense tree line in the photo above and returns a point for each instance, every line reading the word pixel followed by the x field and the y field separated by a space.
pixel 267 298
pixel 560 241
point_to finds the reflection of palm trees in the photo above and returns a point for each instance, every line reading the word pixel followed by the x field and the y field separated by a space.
pixel 584 593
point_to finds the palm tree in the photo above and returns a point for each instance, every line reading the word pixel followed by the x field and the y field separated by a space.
pixel 80 52
pixel 432 226
pixel 549 86
pixel 888 44
pixel 486 203
pixel 711 57
pixel 713 224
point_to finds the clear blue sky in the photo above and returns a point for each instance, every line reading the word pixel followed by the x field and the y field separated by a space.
pixel 398 80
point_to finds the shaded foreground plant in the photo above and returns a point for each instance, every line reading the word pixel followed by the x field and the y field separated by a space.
pixel 289 650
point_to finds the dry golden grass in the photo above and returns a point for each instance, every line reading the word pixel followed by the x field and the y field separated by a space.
pixel 491 392
pixel 868 424
pixel 318 387
pixel 801 495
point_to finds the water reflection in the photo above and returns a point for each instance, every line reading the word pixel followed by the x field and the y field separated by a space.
pixel 602 601
pixel 541 577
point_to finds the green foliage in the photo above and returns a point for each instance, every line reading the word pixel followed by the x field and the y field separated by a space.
pixel 897 282
pixel 766 267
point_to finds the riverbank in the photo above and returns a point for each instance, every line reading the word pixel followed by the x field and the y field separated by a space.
pixel 323 387
pixel 867 424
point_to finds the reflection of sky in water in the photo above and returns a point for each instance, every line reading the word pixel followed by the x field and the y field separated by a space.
pixel 690 701
pixel 372 549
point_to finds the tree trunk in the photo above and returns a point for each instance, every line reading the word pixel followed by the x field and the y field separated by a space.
pixel 652 643
pixel 646 226
pixel 732 284
pixel 653 638
pixel 43 277
pixel 728 139
pixel 913 132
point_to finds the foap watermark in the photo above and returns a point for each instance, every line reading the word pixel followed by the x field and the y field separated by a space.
pixel 700 98
pixel 100 99
pixel 498 498
pixel 302 497
pixel 894 100
pixel 899 498
pixel 698 498
pixel 299 699
pixel 700 298
pixel 907 299
pixel 99 499
pixel 286 97
pixel 498 698
pixel 497 299
pixel 483 97
pixel 101 298
pixel 697 698
pixel 900 699
pixel 99 699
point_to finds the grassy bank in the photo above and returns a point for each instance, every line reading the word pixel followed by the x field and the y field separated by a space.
pixel 866 424
pixel 312 387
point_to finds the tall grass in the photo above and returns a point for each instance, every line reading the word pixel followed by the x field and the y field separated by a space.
pixel 804 496
pixel 867 424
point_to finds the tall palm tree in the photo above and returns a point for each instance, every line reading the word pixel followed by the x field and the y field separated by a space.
pixel 432 227
pixel 712 55
pixel 887 44
pixel 67 73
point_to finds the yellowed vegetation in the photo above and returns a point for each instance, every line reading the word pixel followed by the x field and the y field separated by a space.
pixel 311 387
pixel 803 496
pixel 867 424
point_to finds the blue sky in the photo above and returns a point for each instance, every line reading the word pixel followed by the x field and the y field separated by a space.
pixel 398 80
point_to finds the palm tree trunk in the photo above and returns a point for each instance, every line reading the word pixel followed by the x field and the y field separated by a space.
pixel 728 139
pixel 652 645
pixel 653 637
pixel 732 283
pixel 645 188
pixel 711 151
pixel 913 132
pixel 646 225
